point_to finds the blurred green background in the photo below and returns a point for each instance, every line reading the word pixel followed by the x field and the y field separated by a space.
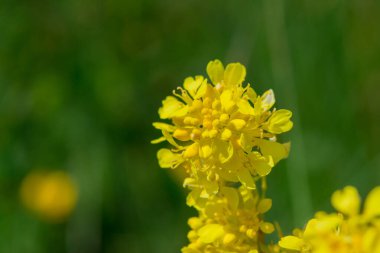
pixel 81 82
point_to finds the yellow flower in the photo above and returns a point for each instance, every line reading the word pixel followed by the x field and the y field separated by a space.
pixel 230 221
pixel 222 131
pixel 348 231
pixel 52 195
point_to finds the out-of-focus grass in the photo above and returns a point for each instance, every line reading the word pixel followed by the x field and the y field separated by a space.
pixel 80 84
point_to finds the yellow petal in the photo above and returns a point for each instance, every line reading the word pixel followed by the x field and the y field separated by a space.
pixel 245 107
pixel 226 134
pixel 215 71
pixel 234 74
pixel 291 242
pixel 168 159
pixel 237 124
pixel 163 126
pixel 229 238
pixel 232 197
pixel 224 149
pixel 251 93
pixel 276 150
pixel 246 178
pixel 206 151
pixel 170 139
pixel 196 87
pixel 210 233
pixel 267 100
pixel 191 150
pixel 158 140
pixel 262 165
pixel 202 89
pixel 211 187
pixel 226 99
pixel 228 170
pixel 346 201
pixel 189 181
pixel 280 122
pixel 192 197
pixel 372 203
pixel 322 224
pixel 246 142
pixel 194 222
pixel 171 107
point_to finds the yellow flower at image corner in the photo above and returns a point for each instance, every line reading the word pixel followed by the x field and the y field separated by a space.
pixel 222 130
pixel 349 231
pixel 50 194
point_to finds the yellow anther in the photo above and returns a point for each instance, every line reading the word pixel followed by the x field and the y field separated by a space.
pixel 191 121
pixel 206 151
pixel 204 111
pixel 181 134
pixel 215 113
pixel 191 151
pixel 207 123
pixel 226 134
pixel 195 134
pixel 251 233
pixel 195 121
pixel 213 133
pixel 224 118
pixel 229 238
pixel 238 124
pixel 215 123
pixel 194 222
pixel 207 116
pixel 205 134
pixel 192 235
pixel 243 228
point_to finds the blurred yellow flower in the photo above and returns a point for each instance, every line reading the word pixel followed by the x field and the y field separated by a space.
pixel 50 194
pixel 222 131
pixel 348 231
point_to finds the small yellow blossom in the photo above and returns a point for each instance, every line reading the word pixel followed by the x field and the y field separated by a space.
pixel 222 131
pixel 229 221
pixel 348 231
pixel 52 195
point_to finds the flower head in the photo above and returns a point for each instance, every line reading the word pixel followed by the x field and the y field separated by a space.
pixel 51 195
pixel 347 231
pixel 222 131
pixel 230 221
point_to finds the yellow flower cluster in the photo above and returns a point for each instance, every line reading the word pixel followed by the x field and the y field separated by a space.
pixel 221 131
pixel 347 231
pixel 224 136
pixel 230 222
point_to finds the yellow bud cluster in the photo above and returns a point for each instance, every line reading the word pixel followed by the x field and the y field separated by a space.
pixel 224 127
